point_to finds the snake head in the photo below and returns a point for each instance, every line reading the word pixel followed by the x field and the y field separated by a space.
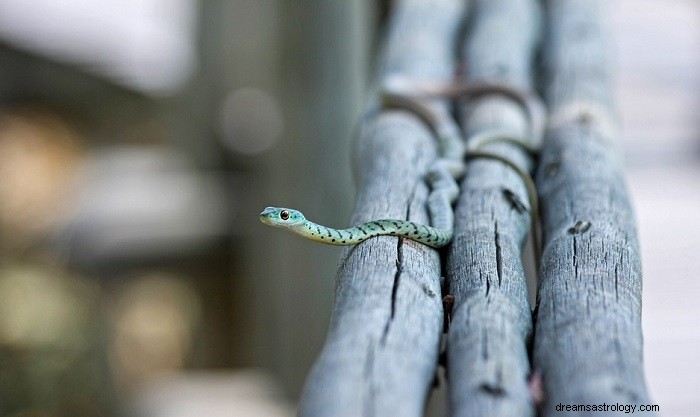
pixel 282 217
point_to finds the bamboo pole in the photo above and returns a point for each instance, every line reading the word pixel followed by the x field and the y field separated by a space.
pixel 491 326
pixel 380 355
pixel 588 342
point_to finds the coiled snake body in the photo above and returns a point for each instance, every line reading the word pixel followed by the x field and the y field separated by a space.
pixel 442 174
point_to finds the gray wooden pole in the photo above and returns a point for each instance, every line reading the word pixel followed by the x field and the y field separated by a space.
pixel 380 356
pixel 588 340
pixel 491 325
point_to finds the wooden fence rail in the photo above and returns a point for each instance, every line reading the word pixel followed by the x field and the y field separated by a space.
pixel 381 353
pixel 588 338
pixel 491 326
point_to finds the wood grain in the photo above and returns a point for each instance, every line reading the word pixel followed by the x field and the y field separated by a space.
pixel 491 327
pixel 380 355
pixel 588 337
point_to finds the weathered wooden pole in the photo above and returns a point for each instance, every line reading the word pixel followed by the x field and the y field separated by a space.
pixel 380 356
pixel 588 337
pixel 491 327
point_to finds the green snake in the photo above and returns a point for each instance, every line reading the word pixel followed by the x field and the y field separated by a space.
pixel 294 221
pixel 442 174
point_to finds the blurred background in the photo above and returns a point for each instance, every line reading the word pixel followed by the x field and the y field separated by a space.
pixel 139 139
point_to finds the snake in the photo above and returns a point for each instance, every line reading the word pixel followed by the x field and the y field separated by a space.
pixel 442 175
pixel 294 221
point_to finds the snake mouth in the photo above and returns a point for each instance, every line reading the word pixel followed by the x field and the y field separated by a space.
pixel 266 216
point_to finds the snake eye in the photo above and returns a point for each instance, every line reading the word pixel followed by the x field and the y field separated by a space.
pixel 284 215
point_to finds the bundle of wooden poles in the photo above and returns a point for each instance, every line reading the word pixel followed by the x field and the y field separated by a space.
pixel 581 342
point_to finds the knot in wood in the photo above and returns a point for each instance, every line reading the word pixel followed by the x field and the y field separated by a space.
pixel 580 227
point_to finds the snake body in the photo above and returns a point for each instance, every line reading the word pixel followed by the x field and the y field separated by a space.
pixel 442 174
pixel 294 221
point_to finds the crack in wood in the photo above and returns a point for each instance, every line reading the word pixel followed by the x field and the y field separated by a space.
pixel 574 259
pixel 370 393
pixel 399 270
pixel 499 255
pixel 492 389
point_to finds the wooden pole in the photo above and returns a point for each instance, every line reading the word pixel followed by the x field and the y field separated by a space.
pixel 491 326
pixel 380 356
pixel 588 339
